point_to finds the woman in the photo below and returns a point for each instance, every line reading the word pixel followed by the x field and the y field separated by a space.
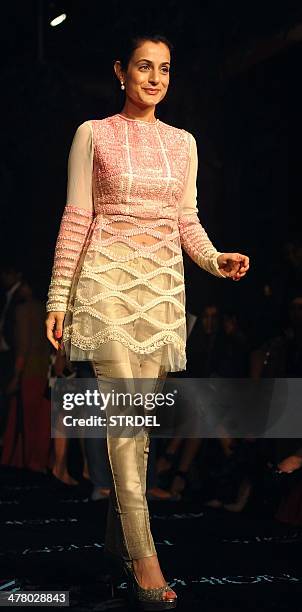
pixel 26 441
pixel 118 281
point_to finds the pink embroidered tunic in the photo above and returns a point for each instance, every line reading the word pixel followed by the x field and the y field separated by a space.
pixel 118 267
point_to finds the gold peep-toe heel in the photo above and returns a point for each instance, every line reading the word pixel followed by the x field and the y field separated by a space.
pixel 147 599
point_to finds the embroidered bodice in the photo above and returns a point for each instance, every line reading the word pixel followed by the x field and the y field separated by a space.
pixel 123 173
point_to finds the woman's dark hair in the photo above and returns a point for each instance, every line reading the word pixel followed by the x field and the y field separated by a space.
pixel 132 41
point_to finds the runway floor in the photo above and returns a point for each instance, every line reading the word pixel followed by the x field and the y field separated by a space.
pixel 52 539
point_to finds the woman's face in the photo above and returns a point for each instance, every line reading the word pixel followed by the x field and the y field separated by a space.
pixel 148 69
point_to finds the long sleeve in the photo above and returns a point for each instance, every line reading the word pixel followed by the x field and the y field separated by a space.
pixel 193 236
pixel 76 219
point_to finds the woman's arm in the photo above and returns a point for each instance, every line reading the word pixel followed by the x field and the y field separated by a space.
pixel 193 236
pixel 76 219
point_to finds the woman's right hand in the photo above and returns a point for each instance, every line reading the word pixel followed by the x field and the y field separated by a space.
pixel 54 327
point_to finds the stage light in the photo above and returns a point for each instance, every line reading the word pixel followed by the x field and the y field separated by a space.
pixel 56 14
pixel 59 19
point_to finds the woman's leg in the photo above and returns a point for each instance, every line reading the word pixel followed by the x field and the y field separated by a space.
pixel 147 568
pixel 153 380
pixel 128 531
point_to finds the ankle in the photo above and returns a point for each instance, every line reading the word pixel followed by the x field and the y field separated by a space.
pixel 59 469
pixel 149 575
pixel 151 560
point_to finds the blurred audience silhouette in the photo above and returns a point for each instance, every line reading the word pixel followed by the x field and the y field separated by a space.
pixel 222 342
pixel 25 354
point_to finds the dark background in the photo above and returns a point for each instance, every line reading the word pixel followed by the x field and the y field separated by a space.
pixel 235 84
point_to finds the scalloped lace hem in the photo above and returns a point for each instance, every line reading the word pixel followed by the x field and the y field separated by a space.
pixel 81 348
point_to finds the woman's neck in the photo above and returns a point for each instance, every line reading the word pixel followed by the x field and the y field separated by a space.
pixel 132 112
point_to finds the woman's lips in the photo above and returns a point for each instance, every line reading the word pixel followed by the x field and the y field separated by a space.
pixel 152 91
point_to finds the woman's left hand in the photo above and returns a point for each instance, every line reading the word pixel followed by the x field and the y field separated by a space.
pixel 233 265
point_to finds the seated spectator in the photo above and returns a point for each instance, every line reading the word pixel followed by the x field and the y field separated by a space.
pixel 15 291
pixel 203 343
pixel 281 356
pixel 26 440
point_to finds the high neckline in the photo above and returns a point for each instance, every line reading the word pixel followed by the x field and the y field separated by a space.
pixel 138 120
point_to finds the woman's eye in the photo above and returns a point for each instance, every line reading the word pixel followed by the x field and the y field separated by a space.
pixel 164 69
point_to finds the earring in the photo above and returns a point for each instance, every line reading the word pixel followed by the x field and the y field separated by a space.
pixel 122 85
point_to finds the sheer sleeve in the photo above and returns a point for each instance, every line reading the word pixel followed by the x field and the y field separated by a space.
pixel 193 236
pixel 76 219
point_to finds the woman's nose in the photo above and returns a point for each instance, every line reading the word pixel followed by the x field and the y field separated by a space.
pixel 154 78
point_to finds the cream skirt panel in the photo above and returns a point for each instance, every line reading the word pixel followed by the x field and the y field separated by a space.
pixel 127 303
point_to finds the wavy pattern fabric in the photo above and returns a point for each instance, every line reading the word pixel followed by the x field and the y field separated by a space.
pixel 135 189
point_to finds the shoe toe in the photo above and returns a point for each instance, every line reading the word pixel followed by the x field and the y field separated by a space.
pixel 170 595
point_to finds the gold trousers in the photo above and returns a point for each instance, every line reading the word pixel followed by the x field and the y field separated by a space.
pixel 128 532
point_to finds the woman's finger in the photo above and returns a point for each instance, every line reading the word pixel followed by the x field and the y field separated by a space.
pixel 49 336
pixel 245 260
pixel 58 333
pixel 238 257
pixel 52 322
pixel 242 271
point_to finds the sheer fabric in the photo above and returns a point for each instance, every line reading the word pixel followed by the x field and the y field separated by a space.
pixel 76 219
pixel 118 276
